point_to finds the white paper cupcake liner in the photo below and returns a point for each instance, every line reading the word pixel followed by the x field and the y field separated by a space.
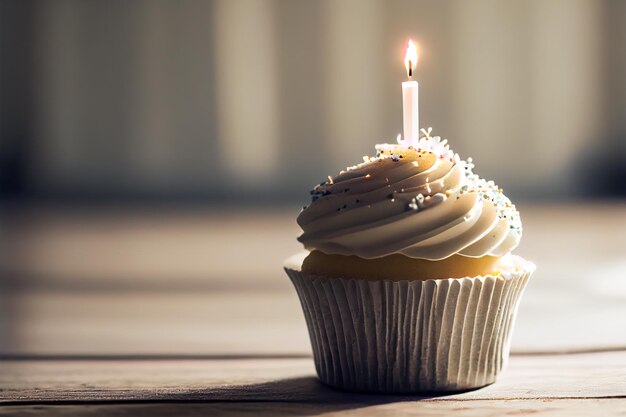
pixel 410 336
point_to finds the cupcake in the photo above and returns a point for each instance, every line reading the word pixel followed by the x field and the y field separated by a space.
pixel 408 283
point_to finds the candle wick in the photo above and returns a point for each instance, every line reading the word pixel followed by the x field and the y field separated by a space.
pixel 410 69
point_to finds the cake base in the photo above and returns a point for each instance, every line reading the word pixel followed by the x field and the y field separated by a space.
pixel 398 267
pixel 410 336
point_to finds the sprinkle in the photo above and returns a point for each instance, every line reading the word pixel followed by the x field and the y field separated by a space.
pixel 437 198
pixel 426 132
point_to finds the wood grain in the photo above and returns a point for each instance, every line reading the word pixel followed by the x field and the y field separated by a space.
pixel 390 407
pixel 551 385
pixel 576 376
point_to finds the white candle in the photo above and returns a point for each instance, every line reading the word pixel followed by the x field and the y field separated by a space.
pixel 410 98
pixel 410 108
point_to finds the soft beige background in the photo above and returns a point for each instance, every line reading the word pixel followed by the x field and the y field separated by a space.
pixel 226 98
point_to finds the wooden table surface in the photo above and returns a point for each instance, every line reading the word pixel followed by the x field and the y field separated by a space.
pixel 187 312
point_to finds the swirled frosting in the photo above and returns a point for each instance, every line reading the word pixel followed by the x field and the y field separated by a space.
pixel 421 201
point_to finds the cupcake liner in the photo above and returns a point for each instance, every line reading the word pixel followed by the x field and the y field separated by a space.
pixel 410 336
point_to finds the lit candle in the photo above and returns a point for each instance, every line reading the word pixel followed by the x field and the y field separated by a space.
pixel 410 98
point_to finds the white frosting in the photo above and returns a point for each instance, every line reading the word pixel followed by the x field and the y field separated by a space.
pixel 396 203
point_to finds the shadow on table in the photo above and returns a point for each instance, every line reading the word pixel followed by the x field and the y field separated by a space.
pixel 304 396
pixel 301 396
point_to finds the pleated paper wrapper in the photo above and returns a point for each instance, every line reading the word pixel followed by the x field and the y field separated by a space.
pixel 410 336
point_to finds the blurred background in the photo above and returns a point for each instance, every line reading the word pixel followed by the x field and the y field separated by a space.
pixel 166 147
pixel 256 100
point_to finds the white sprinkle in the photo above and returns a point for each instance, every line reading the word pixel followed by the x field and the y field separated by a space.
pixel 437 198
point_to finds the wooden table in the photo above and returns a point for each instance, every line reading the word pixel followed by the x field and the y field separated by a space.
pixel 186 312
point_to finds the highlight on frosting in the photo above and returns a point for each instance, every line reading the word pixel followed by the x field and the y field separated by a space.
pixel 420 200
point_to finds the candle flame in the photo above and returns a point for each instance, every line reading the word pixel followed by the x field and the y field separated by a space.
pixel 410 59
